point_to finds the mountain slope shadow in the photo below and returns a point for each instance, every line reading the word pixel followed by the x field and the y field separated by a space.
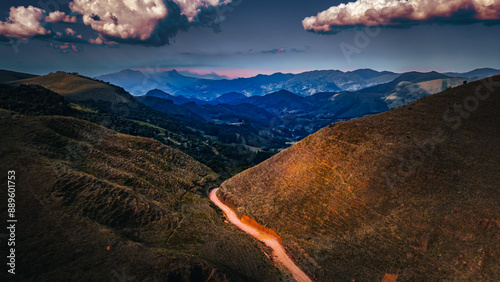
pixel 93 204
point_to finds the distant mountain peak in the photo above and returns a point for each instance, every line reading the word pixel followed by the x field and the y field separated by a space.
pixel 154 91
pixel 415 76
pixel 232 94
pixel 479 72
pixel 283 93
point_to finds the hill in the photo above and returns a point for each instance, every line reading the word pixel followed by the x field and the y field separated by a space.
pixel 229 98
pixel 94 204
pixel 7 75
pixel 409 77
pixel 406 92
pixel 477 73
pixel 179 100
pixel 411 192
pixel 78 88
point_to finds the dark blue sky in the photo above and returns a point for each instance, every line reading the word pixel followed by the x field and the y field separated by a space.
pixel 258 37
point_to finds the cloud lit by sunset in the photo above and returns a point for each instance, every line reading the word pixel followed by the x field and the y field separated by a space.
pixel 397 12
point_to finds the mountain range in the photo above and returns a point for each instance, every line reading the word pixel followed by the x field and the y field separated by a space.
pixel 303 84
pixel 286 116
pixel 306 83
pixel 259 123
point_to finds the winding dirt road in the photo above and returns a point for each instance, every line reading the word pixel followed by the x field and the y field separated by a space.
pixel 278 250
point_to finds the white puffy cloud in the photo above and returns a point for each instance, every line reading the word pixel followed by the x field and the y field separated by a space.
pixel 23 23
pixel 396 12
pixel 191 8
pixel 134 19
pixel 125 19
pixel 59 16
pixel 130 21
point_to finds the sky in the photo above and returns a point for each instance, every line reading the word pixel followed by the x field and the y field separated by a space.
pixel 242 38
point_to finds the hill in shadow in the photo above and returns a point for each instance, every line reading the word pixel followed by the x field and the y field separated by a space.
pixel 94 204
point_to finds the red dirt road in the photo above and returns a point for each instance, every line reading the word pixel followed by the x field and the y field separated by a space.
pixel 278 250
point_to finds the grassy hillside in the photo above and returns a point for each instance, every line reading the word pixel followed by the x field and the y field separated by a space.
pixel 96 205
pixel 79 88
pixel 412 192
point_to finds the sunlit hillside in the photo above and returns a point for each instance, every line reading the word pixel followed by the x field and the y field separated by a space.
pixel 411 192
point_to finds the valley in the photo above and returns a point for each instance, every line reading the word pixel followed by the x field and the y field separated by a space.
pixel 269 120
pixel 124 207
pixel 374 193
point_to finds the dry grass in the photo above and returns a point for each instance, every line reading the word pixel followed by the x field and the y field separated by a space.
pixel 78 88
pixel 328 196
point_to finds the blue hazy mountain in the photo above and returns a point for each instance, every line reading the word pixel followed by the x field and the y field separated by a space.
pixel 303 84
pixel 477 73
pixel 229 98
pixel 209 87
pixel 268 110
pixel 179 100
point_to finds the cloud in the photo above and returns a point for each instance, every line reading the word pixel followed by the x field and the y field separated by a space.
pixel 58 16
pixel 97 41
pixel 65 48
pixel 274 51
pixel 146 22
pixel 69 36
pixel 191 8
pixel 401 13
pixel 121 19
pixel 69 31
pixel 23 23
pixel 298 50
